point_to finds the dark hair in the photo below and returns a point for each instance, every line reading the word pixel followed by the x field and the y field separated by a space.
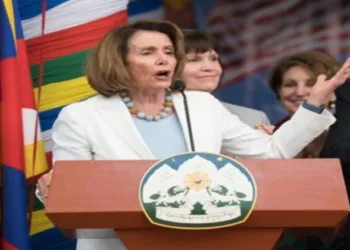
pixel 197 41
pixel 107 71
pixel 316 62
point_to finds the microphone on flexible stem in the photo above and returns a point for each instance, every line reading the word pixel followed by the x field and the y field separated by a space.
pixel 180 86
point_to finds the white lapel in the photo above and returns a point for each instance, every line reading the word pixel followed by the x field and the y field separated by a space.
pixel 180 111
pixel 117 116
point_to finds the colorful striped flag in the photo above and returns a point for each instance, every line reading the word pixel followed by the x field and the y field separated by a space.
pixel 22 149
pixel 57 58
pixel 15 233
pixel 69 36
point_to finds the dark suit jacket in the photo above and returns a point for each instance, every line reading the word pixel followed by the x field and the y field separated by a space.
pixel 337 144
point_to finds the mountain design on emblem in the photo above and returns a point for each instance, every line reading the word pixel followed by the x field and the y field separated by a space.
pixel 198 192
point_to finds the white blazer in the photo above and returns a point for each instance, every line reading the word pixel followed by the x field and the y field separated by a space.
pixel 249 116
pixel 102 128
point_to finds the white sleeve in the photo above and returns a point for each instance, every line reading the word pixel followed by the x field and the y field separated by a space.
pixel 69 137
pixel 70 141
pixel 286 142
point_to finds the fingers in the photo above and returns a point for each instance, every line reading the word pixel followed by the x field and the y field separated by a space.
pixel 323 88
pixel 267 129
pixel 347 72
pixel 44 184
pixel 345 66
pixel 321 78
pixel 45 180
pixel 347 61
pixel 343 74
pixel 344 69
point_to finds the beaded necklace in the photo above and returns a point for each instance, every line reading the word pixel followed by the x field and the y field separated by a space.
pixel 166 111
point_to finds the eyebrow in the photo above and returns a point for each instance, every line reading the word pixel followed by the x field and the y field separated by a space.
pixel 291 79
pixel 154 48
pixel 201 54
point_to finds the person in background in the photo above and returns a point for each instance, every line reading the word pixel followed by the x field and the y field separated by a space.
pixel 337 145
pixel 137 115
pixel 203 71
pixel 292 80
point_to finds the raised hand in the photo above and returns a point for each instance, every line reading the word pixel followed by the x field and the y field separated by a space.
pixel 323 88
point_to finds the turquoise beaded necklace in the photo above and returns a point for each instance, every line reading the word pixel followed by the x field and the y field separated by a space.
pixel 166 111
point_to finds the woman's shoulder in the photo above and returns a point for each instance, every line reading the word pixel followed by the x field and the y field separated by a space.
pixel 194 95
pixel 85 106
pixel 199 100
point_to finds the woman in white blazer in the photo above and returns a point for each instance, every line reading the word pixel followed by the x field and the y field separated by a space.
pixel 136 115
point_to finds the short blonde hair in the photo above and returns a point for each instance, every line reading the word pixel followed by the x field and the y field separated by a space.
pixel 107 71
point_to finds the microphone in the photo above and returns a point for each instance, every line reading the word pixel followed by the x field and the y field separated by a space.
pixel 180 86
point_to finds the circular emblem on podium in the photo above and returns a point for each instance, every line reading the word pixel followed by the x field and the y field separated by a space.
pixel 197 191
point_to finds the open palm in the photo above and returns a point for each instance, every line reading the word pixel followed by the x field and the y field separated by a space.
pixel 323 88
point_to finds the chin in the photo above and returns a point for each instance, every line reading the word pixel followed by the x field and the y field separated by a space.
pixel 162 85
pixel 291 110
pixel 291 107
pixel 208 87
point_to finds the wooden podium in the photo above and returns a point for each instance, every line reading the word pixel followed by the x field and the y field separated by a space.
pixel 298 194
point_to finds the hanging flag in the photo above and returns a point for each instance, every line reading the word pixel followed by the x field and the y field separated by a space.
pixel 22 150
pixel 68 38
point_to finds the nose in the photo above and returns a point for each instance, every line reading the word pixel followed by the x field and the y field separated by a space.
pixel 207 65
pixel 162 59
pixel 301 90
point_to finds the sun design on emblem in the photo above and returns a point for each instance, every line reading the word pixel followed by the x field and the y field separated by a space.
pixel 197 181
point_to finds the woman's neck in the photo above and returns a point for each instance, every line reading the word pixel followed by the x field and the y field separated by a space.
pixel 148 101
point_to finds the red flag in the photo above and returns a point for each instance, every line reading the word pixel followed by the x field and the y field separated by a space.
pixel 16 100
